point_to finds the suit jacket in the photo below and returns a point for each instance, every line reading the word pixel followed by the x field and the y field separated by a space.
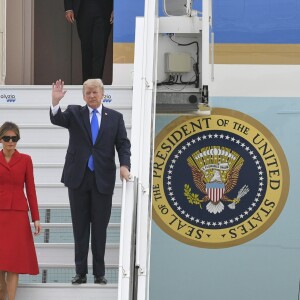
pixel 13 176
pixel 105 5
pixel 112 136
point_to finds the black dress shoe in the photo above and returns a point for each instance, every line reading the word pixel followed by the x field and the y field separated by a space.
pixel 79 279
pixel 100 280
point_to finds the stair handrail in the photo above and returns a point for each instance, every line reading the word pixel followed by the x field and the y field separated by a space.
pixel 127 240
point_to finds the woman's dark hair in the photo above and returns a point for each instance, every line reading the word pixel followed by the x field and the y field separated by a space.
pixel 9 126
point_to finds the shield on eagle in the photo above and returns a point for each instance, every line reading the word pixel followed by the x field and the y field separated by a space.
pixel 215 190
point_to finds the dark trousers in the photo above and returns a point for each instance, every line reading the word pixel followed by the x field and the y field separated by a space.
pixel 90 212
pixel 93 33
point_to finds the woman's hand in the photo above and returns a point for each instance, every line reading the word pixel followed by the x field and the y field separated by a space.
pixel 38 228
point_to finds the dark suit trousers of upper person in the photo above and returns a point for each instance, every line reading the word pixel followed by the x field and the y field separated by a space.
pixel 89 209
pixel 93 28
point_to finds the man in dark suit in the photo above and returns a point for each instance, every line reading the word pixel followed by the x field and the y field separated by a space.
pixel 90 170
pixel 94 20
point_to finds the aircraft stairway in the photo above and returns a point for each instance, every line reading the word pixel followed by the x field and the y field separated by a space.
pixel 28 106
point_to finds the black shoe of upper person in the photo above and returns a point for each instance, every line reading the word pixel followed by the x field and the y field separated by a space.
pixel 79 279
pixel 100 280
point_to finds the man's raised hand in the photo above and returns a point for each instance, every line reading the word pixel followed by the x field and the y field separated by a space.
pixel 57 92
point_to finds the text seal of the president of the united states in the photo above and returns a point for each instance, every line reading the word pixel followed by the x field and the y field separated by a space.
pixel 218 180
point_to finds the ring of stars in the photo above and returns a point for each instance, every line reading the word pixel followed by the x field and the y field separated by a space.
pixel 231 221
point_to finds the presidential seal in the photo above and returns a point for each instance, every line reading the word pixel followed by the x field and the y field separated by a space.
pixel 219 180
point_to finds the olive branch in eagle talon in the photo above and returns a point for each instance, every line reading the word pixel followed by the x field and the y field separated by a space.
pixel 193 198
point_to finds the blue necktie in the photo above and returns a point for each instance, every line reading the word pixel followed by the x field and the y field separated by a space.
pixel 95 129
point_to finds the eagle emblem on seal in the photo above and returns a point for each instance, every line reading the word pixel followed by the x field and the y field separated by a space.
pixel 215 171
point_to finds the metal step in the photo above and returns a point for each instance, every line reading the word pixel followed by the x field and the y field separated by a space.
pixel 67 291
pixel 115 96
pixel 46 153
pixel 56 194
pixel 32 114
pixel 63 273
pixel 51 173
pixel 62 234
pixel 63 254
pixel 43 134
pixel 62 214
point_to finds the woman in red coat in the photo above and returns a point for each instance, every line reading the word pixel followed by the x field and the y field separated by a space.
pixel 17 251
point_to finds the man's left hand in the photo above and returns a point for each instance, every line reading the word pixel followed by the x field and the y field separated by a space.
pixel 124 173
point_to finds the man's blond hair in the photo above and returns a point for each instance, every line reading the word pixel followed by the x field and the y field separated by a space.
pixel 97 82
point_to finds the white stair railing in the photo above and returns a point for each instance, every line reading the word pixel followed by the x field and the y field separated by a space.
pixel 127 241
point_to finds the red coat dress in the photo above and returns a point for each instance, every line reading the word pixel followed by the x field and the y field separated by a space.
pixel 17 251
